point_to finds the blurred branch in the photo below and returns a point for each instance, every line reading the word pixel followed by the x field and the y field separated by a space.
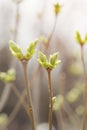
pixel 72 116
pixel 51 34
pixel 15 90
pixel 15 110
pixel 84 127
pixel 7 89
pixel 5 95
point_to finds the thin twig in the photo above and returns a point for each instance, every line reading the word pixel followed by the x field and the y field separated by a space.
pixel 16 21
pixel 24 63
pixel 61 91
pixel 51 34
pixel 50 98
pixel 7 89
pixel 4 97
pixel 15 90
pixel 72 116
pixel 85 92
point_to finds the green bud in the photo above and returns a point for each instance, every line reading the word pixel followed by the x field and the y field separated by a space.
pixel 57 8
pixel 43 40
pixel 58 102
pixel 53 62
pixel 43 60
pixel 11 75
pixel 16 50
pixel 8 76
pixel 79 39
pixel 54 100
pixel 31 50
pixel 42 57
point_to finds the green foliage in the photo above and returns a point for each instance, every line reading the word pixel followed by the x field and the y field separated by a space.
pixel 17 51
pixel 57 8
pixel 8 76
pixel 51 64
pixel 79 39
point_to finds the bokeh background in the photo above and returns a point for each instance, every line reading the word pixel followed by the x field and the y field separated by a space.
pixel 24 22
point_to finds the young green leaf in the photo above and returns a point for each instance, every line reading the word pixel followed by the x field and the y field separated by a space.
pixel 42 57
pixel 31 50
pixel 43 60
pixel 78 37
pixel 16 50
pixel 52 60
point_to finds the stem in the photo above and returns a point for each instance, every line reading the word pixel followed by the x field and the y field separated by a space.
pixel 24 63
pixel 85 92
pixel 50 98
pixel 61 91
pixel 51 35
pixel 16 21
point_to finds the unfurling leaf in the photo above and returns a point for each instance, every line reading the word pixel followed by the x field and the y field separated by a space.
pixel 42 57
pixel 52 63
pixel 53 59
pixel 16 50
pixel 31 50
pixel 79 39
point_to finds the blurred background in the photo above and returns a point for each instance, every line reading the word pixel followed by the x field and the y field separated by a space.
pixel 24 21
